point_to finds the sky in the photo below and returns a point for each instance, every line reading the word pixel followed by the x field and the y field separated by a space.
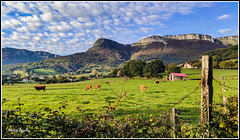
pixel 68 27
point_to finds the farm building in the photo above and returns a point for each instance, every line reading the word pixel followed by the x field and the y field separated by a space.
pixel 187 65
pixel 176 76
pixel 27 80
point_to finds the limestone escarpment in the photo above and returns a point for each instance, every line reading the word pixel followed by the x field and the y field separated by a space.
pixel 190 36
pixel 150 39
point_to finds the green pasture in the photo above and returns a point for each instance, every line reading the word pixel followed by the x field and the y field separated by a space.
pixel 45 72
pixel 157 99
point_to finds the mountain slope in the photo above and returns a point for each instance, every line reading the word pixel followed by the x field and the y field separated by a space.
pixel 172 50
pixel 106 54
pixel 12 56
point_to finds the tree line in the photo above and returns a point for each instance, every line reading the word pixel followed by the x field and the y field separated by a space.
pixel 139 68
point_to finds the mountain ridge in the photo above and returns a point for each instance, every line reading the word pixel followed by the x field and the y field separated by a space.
pixel 107 54
pixel 13 55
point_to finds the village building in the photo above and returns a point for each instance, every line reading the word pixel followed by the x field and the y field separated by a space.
pixel 187 65
pixel 177 76
pixel 72 79
pixel 27 80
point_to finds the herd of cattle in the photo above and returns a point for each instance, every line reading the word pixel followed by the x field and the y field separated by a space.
pixel 89 87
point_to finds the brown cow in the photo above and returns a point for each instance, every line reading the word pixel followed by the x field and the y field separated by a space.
pixel 88 87
pixel 143 88
pixel 156 82
pixel 165 79
pixel 38 88
pixel 97 87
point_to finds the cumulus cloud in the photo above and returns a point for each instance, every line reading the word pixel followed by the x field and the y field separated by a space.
pixel 77 25
pixel 62 27
pixel 21 7
pixel 13 23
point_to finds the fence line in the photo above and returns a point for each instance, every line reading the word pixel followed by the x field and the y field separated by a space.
pixel 221 84
pixel 195 90
pixel 56 85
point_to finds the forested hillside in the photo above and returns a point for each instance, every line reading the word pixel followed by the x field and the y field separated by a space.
pixel 223 54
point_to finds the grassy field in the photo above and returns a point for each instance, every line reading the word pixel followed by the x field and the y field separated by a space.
pixel 157 99
pixel 45 72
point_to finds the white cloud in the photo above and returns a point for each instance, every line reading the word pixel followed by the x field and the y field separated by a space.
pixel 13 23
pixel 20 6
pixel 62 27
pixel 36 38
pixel 228 32
pixel 32 19
pixel 58 25
pixel 225 16
pixel 79 34
pixel 73 41
pixel 61 35
pixel 47 17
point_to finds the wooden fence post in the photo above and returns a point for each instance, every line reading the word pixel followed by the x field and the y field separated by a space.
pixel 176 121
pixel 207 90
pixel 225 99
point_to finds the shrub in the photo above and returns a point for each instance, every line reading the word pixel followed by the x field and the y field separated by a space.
pixel 224 123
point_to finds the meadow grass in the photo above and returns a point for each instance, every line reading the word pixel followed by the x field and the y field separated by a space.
pixel 45 72
pixel 158 98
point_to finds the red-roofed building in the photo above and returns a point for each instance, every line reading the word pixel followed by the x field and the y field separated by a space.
pixel 177 76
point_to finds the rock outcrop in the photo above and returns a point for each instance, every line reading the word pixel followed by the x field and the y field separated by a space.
pixel 150 39
pixel 190 36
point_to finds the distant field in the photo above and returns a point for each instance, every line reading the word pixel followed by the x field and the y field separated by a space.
pixel 217 73
pixel 45 72
pixel 19 72
pixel 158 98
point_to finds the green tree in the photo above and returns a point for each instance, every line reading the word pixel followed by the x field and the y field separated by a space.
pixel 236 65
pixel 215 64
pixel 113 73
pixel 154 67
pixel 173 68
pixel 226 64
pixel 197 64
pixel 126 68
pixel 136 68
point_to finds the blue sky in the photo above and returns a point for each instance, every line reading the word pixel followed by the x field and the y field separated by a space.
pixel 62 27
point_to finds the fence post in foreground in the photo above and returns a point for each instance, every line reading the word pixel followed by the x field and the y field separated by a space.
pixel 207 90
pixel 176 122
pixel 225 99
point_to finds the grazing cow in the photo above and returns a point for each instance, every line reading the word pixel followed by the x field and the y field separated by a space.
pixel 156 82
pixel 143 88
pixel 97 87
pixel 88 87
pixel 38 88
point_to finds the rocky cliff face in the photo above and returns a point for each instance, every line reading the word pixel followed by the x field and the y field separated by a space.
pixel 190 36
pixel 150 39
pixel 228 38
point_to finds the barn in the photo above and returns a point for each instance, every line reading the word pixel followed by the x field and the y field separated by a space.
pixel 177 76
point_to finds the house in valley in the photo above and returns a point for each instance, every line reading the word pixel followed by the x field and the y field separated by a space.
pixel 187 65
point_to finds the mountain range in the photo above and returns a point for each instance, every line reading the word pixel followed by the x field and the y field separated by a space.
pixel 106 54
pixel 13 55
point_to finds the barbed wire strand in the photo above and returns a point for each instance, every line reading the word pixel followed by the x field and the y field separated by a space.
pixel 184 98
